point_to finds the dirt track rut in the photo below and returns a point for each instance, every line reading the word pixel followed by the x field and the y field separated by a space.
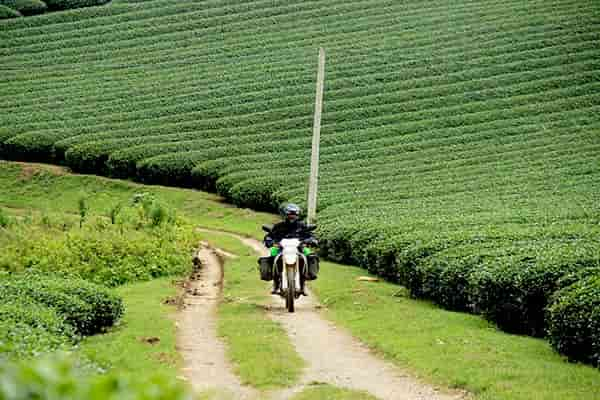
pixel 205 362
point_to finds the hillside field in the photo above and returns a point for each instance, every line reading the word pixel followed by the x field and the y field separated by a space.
pixel 460 145
pixel 447 349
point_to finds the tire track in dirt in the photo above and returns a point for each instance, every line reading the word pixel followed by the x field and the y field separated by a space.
pixel 333 356
pixel 205 362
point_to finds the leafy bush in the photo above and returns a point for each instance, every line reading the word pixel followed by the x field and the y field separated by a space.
pixel 40 314
pixel 514 290
pixel 114 212
pixel 106 306
pixel 446 281
pixel 4 219
pixel 574 320
pixel 258 193
pixel 7 12
pixel 152 210
pixel 26 7
pixel 26 311
pixel 15 8
pixel 87 307
pixel 31 146
pixel 28 328
pixel 158 214
pixel 58 378
pixel 19 340
pixel 110 255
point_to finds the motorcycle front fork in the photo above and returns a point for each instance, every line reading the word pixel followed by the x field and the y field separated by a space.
pixel 278 281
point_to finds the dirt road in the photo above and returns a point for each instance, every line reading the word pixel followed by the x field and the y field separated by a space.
pixel 205 364
pixel 332 355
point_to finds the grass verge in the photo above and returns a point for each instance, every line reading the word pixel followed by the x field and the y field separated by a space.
pixel 448 348
pixel 327 392
pixel 143 343
pixel 259 348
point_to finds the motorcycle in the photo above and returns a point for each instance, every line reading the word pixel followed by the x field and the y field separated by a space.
pixel 290 267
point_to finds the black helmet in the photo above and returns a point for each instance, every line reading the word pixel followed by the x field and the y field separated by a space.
pixel 291 212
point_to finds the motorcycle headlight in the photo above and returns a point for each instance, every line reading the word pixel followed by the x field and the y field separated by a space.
pixel 290 258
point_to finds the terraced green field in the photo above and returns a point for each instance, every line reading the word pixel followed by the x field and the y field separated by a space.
pixel 460 139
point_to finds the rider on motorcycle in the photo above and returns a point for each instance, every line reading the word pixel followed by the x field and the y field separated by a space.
pixel 290 227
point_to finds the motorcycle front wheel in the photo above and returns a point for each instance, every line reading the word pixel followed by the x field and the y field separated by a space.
pixel 290 295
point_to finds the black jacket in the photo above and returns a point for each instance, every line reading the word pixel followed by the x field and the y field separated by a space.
pixel 287 230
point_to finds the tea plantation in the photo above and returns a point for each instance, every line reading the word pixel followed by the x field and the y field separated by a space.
pixel 460 150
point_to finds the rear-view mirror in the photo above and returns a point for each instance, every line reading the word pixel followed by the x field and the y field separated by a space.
pixel 267 228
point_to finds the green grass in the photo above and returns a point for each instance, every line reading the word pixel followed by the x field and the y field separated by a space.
pixel 327 392
pixel 448 348
pixel 42 188
pixel 259 348
pixel 129 348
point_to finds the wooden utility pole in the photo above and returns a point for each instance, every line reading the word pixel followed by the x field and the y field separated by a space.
pixel 314 161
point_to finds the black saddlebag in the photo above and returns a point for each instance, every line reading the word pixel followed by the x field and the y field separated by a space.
pixel 265 266
pixel 313 267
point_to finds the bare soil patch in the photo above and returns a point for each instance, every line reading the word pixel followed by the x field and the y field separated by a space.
pixel 28 170
pixel 152 340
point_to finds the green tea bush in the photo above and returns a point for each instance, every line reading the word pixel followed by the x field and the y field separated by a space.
pixel 407 259
pixel 509 281
pixel 574 320
pixel 26 7
pixel 19 340
pixel 26 311
pixel 16 8
pixel 171 170
pixel 28 328
pixel 258 193
pixel 37 146
pixel 106 306
pixel 514 291
pixel 7 12
pixel 40 314
pixel 58 378
pixel 500 297
pixel 87 307
pixel 446 281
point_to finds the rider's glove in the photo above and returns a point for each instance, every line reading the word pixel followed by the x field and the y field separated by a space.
pixel 268 242
pixel 311 242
